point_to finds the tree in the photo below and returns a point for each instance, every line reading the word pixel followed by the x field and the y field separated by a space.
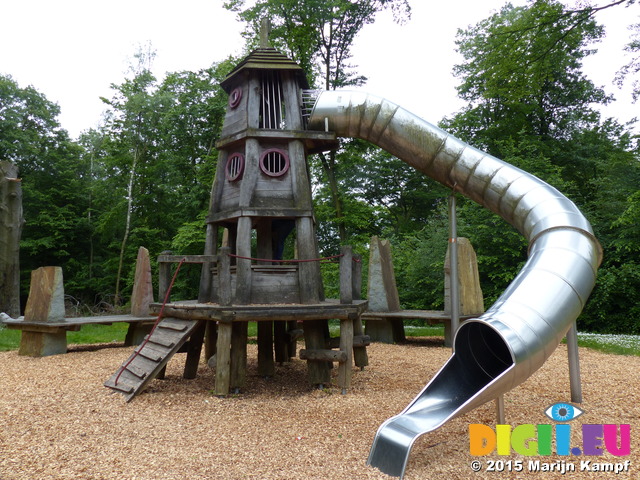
pixel 522 74
pixel 134 116
pixel 11 222
pixel 54 181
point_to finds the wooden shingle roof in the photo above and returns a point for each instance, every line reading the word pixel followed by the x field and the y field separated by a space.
pixel 266 59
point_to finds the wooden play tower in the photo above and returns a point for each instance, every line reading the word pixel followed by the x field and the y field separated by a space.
pixel 261 257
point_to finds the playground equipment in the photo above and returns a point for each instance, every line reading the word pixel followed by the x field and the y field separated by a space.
pixel 261 192
pixel 261 196
pixel 513 338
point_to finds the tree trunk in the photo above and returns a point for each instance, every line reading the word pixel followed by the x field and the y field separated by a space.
pixel 11 222
pixel 329 167
pixel 127 227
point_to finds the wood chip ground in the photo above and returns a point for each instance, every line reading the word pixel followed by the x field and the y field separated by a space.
pixel 59 422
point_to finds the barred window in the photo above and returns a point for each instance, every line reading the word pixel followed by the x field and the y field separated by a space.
pixel 235 167
pixel 234 97
pixel 274 162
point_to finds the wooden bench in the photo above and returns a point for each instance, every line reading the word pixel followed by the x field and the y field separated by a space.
pixel 44 325
pixel 40 339
pixel 388 327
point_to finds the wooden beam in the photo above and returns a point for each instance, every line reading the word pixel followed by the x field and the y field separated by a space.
pixel 223 359
pixel 165 258
pixel 346 347
pixel 238 374
pixel 346 275
pixel 323 355
pixel 266 364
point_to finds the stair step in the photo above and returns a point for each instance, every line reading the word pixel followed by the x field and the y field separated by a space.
pixel 138 372
pixel 150 353
pixel 162 339
pixel 174 324
pixel 121 386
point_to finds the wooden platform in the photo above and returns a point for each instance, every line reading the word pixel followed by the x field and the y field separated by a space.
pixel 227 326
pixel 328 309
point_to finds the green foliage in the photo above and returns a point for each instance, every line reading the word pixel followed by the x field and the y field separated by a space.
pixel 418 260
pixel 613 306
pixel 522 74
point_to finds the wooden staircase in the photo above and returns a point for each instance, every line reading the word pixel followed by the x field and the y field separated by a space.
pixel 151 356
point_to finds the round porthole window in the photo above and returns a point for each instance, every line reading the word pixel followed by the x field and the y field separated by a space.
pixel 235 167
pixel 234 97
pixel 274 162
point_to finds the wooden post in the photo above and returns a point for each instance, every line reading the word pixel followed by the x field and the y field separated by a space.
pixel 470 293
pixel 360 356
pixel 142 294
pixel 141 297
pixel 346 275
pixel 309 272
pixel 238 374
pixel 346 346
pixel 205 293
pixel 211 337
pixel 292 342
pixel 266 365
pixel 382 294
pixel 223 356
pixel 45 304
pixel 356 276
pixel 318 372
pixel 11 222
pixel 224 277
pixel 194 349
pixel 280 342
pixel 164 278
pixel 243 265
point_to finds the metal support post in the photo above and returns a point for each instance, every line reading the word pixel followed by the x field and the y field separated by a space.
pixel 574 364
pixel 453 260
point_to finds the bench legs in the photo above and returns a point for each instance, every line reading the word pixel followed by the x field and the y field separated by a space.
pixel 42 344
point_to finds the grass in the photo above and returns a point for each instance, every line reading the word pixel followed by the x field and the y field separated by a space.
pixel 88 334
pixel 616 344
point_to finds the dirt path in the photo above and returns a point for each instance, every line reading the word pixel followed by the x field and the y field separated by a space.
pixel 59 422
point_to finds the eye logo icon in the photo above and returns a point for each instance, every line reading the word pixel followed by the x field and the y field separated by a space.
pixel 563 412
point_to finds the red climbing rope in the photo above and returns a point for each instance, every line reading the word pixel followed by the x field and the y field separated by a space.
pixel 146 340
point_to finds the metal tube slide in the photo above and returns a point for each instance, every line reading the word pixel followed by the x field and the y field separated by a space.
pixel 513 338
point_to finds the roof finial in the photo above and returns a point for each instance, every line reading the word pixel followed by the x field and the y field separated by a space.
pixel 265 30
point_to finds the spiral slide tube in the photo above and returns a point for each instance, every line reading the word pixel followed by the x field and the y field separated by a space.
pixel 504 346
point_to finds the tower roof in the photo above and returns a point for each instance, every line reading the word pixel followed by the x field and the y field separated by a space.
pixel 266 58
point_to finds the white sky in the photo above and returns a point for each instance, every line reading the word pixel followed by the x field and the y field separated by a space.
pixel 72 50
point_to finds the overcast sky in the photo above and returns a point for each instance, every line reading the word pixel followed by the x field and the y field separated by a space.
pixel 73 50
